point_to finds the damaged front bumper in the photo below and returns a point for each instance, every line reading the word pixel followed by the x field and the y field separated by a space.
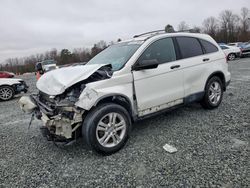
pixel 22 87
pixel 60 122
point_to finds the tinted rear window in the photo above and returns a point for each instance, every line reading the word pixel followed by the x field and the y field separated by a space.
pixel 189 47
pixel 209 47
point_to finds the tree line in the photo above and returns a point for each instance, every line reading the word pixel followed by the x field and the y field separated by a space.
pixel 227 27
pixel 65 56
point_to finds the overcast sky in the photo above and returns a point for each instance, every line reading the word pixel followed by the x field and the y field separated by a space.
pixel 34 26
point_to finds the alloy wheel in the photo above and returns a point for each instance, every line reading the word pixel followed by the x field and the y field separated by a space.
pixel 215 93
pixel 6 93
pixel 231 57
pixel 111 129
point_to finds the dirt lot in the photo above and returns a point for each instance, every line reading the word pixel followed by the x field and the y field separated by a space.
pixel 213 148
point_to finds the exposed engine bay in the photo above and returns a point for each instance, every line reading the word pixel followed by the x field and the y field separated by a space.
pixel 60 116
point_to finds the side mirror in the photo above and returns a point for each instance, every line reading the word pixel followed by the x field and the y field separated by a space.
pixel 146 64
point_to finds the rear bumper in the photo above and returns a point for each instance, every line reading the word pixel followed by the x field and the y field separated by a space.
pixel 245 53
pixel 238 54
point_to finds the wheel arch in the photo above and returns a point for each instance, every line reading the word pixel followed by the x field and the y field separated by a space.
pixel 221 76
pixel 12 86
pixel 119 99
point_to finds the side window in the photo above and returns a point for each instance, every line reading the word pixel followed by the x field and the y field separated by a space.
pixel 161 50
pixel 223 47
pixel 209 47
pixel 189 47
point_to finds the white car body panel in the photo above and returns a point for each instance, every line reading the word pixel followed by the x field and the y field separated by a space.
pixel 57 81
pixel 231 49
pixel 196 67
pixel 9 81
pixel 49 67
pixel 116 85
pixel 158 86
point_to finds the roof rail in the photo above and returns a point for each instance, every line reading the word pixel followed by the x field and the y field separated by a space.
pixel 156 32
pixel 150 32
pixel 187 31
pixel 163 31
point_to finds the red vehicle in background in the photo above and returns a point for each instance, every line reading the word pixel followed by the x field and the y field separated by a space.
pixel 5 74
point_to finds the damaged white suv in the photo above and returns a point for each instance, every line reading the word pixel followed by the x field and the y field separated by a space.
pixel 126 82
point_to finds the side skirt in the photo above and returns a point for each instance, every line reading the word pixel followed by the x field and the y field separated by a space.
pixel 187 100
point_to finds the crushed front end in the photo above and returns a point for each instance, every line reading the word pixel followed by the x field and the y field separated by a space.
pixel 61 116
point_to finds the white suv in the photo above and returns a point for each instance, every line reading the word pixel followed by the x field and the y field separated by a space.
pixel 126 82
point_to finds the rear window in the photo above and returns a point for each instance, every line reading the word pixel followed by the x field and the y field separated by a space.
pixel 208 47
pixel 189 47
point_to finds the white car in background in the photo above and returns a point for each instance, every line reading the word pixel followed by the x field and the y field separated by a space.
pixel 237 44
pixel 231 52
pixel 46 65
pixel 9 87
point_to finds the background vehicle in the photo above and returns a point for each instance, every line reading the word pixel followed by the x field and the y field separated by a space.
pixel 231 52
pixel 45 66
pixel 246 50
pixel 10 87
pixel 5 74
pixel 126 82
pixel 48 65
pixel 237 44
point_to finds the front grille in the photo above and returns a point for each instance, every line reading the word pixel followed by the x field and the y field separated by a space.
pixel 45 99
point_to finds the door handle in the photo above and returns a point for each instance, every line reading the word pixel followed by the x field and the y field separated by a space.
pixel 174 66
pixel 206 59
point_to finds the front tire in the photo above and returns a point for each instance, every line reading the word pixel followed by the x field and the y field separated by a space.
pixel 213 93
pixel 106 128
pixel 6 93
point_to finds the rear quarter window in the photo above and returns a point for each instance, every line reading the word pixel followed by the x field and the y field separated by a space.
pixel 208 46
pixel 189 47
pixel 223 47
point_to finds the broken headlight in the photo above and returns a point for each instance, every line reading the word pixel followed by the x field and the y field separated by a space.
pixel 70 96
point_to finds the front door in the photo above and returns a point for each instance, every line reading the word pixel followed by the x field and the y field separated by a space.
pixel 160 87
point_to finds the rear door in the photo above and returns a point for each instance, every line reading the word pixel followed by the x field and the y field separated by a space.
pixel 197 55
pixel 160 87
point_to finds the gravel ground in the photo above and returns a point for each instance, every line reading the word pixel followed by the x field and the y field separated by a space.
pixel 213 148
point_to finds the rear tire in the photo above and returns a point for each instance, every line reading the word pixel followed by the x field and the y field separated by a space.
pixel 106 128
pixel 6 93
pixel 231 57
pixel 213 93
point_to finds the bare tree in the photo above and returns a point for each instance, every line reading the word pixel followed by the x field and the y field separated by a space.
pixel 183 26
pixel 229 25
pixel 244 23
pixel 210 26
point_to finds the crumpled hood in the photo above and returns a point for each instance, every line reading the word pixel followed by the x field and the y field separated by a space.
pixel 57 81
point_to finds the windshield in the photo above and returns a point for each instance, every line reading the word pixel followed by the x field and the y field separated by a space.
pixel 117 55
